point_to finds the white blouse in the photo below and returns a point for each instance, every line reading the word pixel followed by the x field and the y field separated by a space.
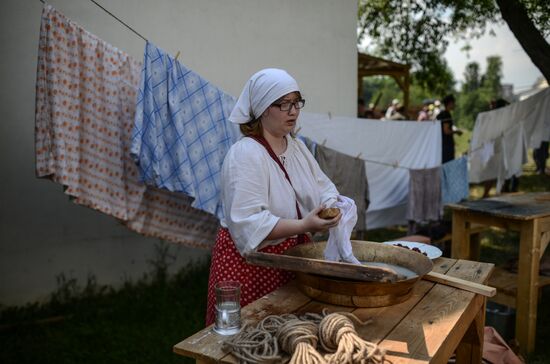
pixel 256 194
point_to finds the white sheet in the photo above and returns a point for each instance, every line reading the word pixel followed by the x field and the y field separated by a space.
pixel 410 144
pixel 513 129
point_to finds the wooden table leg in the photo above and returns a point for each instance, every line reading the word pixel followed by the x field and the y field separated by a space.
pixel 470 348
pixel 527 295
pixel 460 246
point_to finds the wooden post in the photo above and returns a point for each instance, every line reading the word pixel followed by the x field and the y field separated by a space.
pixel 460 245
pixel 470 348
pixel 528 276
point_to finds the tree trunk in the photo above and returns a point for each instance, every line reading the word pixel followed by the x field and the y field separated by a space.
pixel 531 40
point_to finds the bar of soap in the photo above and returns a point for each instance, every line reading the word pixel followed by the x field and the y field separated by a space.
pixel 329 213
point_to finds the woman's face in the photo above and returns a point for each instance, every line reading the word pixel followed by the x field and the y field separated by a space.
pixel 277 122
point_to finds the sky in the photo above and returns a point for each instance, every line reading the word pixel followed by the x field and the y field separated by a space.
pixel 516 65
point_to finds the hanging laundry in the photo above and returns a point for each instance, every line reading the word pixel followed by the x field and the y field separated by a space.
pixel 85 104
pixel 514 154
pixel 388 150
pixel 181 132
pixel 487 151
pixel 520 125
pixel 349 176
pixel 424 203
pixel 454 181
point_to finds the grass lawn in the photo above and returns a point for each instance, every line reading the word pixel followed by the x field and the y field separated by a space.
pixel 140 322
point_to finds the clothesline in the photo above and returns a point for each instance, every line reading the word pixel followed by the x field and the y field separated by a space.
pixel 394 165
pixel 115 17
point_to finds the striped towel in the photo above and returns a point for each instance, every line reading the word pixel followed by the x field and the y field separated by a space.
pixel 85 105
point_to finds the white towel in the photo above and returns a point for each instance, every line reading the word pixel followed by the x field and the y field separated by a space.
pixel 339 243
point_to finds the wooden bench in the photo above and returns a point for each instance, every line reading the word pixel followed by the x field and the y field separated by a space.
pixel 506 284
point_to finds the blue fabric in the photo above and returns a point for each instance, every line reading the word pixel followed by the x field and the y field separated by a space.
pixel 181 133
pixel 454 181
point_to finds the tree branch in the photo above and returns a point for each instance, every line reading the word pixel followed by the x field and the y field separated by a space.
pixel 531 40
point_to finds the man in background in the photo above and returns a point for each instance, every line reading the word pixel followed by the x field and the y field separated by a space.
pixel 447 140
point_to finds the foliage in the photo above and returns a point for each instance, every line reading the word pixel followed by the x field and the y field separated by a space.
pixel 387 89
pixel 138 323
pixel 417 31
pixel 478 91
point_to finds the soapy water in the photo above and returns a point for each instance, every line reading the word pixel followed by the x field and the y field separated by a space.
pixel 402 272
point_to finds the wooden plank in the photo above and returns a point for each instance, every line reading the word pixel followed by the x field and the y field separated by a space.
pixel 470 348
pixel 461 284
pixel 518 206
pixel 460 246
pixel 506 223
pixel 321 266
pixel 527 297
pixel 207 345
pixel 435 326
pixel 385 319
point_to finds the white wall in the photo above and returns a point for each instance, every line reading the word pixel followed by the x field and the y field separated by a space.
pixel 42 234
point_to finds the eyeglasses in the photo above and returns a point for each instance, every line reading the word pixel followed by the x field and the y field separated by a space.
pixel 285 106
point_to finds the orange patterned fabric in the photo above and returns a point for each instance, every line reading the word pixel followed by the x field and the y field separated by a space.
pixel 85 104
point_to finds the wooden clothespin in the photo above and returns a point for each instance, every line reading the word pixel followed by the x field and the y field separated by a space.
pixel 298 130
pixel 395 164
pixel 324 142
pixel 359 155
pixel 177 55
pixel 329 115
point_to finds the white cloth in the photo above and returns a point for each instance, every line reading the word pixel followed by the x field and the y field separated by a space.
pixel 410 144
pixel 513 129
pixel 487 151
pixel 256 193
pixel 260 91
pixel 339 243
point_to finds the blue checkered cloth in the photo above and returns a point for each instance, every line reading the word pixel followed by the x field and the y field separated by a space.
pixel 181 130
pixel 454 181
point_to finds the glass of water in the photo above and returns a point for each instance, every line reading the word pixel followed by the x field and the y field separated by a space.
pixel 228 308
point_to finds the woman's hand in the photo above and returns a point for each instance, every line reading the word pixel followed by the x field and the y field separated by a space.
pixel 313 223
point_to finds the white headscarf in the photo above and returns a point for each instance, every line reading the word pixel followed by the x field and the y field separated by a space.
pixel 261 90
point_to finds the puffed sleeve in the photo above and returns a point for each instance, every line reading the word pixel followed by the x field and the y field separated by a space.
pixel 245 193
pixel 327 190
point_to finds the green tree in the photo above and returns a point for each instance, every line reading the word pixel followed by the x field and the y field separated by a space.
pixel 491 80
pixel 472 80
pixel 478 91
pixel 415 31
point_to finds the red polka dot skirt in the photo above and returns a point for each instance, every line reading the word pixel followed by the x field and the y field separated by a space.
pixel 228 265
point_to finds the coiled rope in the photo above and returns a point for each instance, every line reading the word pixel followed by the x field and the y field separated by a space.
pixel 338 336
pixel 293 339
pixel 299 338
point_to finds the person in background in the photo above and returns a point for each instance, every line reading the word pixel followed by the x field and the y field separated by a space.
pixel 391 109
pixel 423 114
pixel 399 113
pixel 447 132
pixel 436 109
pixel 361 110
pixel 540 155
pixel 272 188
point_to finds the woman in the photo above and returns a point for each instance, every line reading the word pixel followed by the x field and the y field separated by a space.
pixel 272 188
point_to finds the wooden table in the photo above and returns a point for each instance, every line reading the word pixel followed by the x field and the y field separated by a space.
pixel 530 215
pixel 427 328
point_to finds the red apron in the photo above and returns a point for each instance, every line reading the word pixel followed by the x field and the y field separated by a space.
pixel 228 265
